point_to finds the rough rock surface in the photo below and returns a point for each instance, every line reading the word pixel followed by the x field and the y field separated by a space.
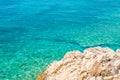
pixel 93 64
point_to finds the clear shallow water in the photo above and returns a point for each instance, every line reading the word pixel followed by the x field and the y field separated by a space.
pixel 34 33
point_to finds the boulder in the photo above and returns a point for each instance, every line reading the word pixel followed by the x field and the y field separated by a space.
pixel 93 64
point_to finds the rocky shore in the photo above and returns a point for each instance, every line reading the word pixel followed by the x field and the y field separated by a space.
pixel 93 64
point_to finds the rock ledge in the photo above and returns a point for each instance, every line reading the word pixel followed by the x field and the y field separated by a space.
pixel 93 64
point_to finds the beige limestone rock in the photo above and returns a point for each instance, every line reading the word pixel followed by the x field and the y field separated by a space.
pixel 93 64
pixel 99 78
pixel 118 50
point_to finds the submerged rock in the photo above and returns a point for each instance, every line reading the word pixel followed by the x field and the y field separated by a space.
pixel 93 64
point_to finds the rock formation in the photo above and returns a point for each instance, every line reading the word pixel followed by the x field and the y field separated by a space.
pixel 93 64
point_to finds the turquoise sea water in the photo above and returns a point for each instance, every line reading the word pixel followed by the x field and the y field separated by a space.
pixel 33 33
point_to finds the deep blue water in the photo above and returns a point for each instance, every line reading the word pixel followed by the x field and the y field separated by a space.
pixel 33 33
